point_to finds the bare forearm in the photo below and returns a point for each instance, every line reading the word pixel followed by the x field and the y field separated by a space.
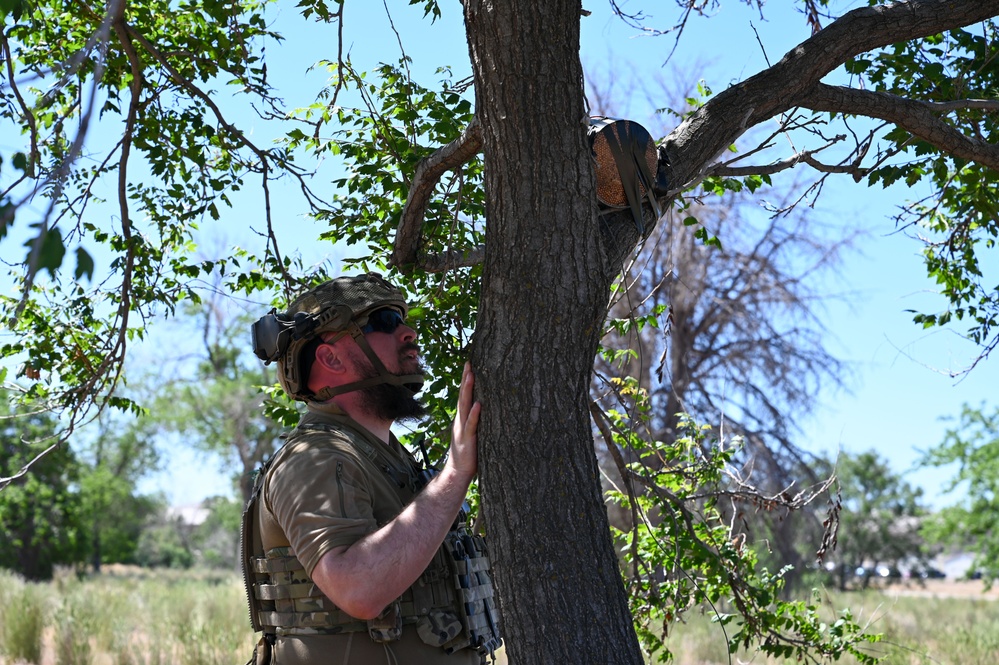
pixel 365 577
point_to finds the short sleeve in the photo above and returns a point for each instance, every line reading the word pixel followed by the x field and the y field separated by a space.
pixel 321 498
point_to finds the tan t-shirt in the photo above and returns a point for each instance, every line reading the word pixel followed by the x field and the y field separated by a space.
pixel 331 485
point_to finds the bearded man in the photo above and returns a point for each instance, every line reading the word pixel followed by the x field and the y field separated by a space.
pixel 352 552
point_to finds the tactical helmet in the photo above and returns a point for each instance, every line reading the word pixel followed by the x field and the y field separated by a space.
pixel 341 305
pixel 627 168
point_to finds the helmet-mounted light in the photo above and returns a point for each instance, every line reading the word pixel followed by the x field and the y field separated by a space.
pixel 273 333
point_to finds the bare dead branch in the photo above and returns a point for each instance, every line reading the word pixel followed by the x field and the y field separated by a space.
pixel 805 156
pixel 425 179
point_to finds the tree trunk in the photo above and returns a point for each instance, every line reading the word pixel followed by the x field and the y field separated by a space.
pixel 545 289
pixel 95 557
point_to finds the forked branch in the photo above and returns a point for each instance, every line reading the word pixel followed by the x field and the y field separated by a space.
pixel 921 119
pixel 425 179
pixel 695 144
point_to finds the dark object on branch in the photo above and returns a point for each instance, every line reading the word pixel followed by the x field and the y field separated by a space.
pixel 627 167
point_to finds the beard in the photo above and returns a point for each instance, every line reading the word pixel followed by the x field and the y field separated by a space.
pixel 387 401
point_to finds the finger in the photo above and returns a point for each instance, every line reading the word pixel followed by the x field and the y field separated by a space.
pixel 465 392
pixel 472 422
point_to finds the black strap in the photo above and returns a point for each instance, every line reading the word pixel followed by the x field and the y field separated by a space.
pixel 411 382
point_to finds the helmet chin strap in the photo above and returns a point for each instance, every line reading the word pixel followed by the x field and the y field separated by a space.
pixel 411 383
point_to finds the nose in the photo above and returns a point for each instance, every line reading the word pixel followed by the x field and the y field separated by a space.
pixel 406 334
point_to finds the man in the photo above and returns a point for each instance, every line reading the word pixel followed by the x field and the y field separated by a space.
pixel 352 553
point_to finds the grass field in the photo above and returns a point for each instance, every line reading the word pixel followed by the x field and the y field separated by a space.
pixel 144 617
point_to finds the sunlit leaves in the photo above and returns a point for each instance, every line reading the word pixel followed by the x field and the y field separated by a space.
pixel 962 220
pixel 380 143
pixel 681 556
pixel 184 163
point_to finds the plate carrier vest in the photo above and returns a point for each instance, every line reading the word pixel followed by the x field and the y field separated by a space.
pixel 452 603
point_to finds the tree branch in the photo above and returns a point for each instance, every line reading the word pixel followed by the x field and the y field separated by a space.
pixel 711 129
pixel 803 157
pixel 425 179
pixel 446 261
pixel 919 118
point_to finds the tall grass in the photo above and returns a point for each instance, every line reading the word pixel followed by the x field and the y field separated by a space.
pixel 917 630
pixel 143 617
pixel 23 615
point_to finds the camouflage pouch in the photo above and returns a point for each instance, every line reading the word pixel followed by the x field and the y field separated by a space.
pixel 438 627
pixel 387 626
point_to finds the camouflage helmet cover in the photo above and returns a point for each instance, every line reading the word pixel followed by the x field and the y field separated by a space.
pixel 332 307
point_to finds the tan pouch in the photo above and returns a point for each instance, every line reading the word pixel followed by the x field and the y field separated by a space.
pixel 387 626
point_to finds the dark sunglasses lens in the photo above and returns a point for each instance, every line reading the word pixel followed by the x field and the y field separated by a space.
pixel 383 321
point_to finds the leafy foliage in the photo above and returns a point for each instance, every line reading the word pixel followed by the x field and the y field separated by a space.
pixel 960 216
pixel 176 161
pixel 381 142
pixel 114 514
pixel 682 555
pixel 41 515
pixel 215 404
pixel 973 446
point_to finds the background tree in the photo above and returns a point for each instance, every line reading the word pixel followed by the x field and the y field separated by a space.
pixel 219 409
pixel 114 512
pixel 547 264
pixel 737 336
pixel 880 519
pixel 216 540
pixel 972 448
pixel 41 517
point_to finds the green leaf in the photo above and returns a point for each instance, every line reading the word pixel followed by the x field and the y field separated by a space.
pixel 13 8
pixel 51 253
pixel 6 218
pixel 84 265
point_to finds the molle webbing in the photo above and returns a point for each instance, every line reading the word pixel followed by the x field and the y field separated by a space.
pixel 470 563
pixel 291 604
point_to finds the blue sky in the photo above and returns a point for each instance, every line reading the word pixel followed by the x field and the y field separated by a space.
pixel 900 387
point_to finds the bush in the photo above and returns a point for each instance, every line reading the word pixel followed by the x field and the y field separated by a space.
pixel 163 546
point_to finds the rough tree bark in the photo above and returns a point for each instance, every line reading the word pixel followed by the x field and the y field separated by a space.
pixel 548 267
pixel 545 287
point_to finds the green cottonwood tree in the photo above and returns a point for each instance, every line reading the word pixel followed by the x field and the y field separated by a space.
pixel 112 463
pixel 41 516
pixel 881 515
pixel 218 408
pixel 972 521
pixel 522 260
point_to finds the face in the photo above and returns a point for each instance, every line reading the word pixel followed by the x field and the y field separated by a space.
pixel 395 345
pixel 393 341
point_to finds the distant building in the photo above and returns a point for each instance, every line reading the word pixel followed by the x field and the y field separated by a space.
pixel 190 515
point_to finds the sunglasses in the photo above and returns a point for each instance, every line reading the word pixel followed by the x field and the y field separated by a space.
pixel 384 320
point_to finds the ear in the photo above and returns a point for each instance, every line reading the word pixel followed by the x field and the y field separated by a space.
pixel 331 359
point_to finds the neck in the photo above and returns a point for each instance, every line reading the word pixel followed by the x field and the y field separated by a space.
pixel 352 406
